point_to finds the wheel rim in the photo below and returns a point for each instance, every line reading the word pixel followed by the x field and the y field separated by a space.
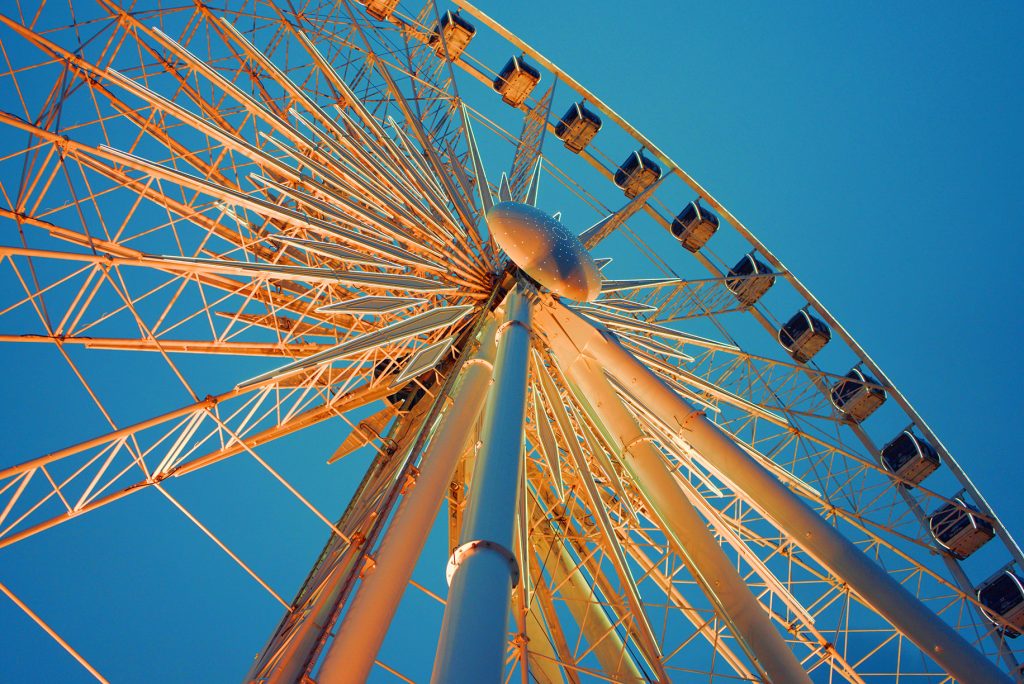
pixel 127 252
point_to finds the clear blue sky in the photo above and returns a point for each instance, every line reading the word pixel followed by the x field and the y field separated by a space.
pixel 883 137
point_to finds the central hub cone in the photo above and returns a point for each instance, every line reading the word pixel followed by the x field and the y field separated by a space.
pixel 545 250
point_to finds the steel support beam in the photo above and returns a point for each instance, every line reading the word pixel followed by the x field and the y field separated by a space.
pixel 471 647
pixel 581 600
pixel 544 664
pixel 692 540
pixel 786 510
pixel 362 631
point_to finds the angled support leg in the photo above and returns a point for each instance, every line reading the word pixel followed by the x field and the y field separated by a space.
pixel 354 649
pixel 693 541
pixel 787 511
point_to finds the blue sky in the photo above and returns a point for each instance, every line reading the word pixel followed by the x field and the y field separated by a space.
pixel 880 138
pixel 874 147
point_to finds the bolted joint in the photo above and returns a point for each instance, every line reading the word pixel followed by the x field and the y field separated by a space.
pixel 466 550
pixel 369 564
pixel 410 479
pixel 476 361
pixel 628 448
pixel 508 324
pixel 688 420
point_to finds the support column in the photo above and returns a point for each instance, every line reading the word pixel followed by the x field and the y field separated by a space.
pixel 802 524
pixel 483 569
pixel 689 534
pixel 354 649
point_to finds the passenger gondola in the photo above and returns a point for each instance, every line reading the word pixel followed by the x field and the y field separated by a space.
pixel 456 31
pixel 857 396
pixel 958 529
pixel 694 226
pixel 577 127
pixel 749 279
pixel 803 336
pixel 380 9
pixel 1003 595
pixel 910 457
pixel 637 173
pixel 516 81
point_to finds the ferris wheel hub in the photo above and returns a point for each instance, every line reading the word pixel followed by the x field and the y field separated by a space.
pixel 546 250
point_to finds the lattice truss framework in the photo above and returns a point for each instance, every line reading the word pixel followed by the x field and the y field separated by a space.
pixel 295 183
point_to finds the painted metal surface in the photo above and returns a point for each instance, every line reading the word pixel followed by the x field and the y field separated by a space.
pixel 366 163
pixel 354 649
pixel 472 643
pixel 805 527
pixel 708 563
pixel 546 250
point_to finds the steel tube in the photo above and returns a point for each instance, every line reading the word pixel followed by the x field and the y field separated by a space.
pixel 789 513
pixel 544 667
pixel 472 643
pixel 292 660
pixel 361 633
pixel 580 599
pixel 711 567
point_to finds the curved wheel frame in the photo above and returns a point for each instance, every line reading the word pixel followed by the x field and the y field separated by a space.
pixel 177 109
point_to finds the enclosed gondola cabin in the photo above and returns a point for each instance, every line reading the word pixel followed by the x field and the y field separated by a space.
pixel 516 81
pixel 637 173
pixel 1003 596
pixel 749 279
pixel 958 529
pixel 910 457
pixel 694 226
pixel 803 336
pixel 456 31
pixel 857 395
pixel 380 9
pixel 577 127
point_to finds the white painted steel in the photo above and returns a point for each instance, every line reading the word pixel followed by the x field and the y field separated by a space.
pixel 293 657
pixel 787 511
pixel 710 566
pixel 585 608
pixel 472 642
pixel 353 651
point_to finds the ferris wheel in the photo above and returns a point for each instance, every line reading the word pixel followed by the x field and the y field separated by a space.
pixel 571 420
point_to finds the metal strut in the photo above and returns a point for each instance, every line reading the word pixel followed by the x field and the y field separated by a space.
pixel 471 647
pixel 785 509
pixel 361 633
pixel 689 535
